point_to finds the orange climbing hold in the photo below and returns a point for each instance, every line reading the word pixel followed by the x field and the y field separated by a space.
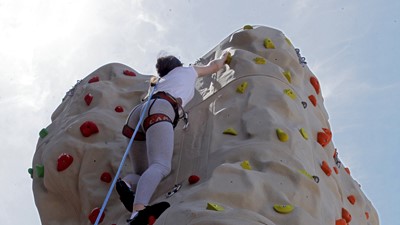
pixel 341 222
pixel 313 100
pixel 367 215
pixel 351 199
pixel 325 167
pixel 346 215
pixel 336 170
pixel 323 139
pixel 328 132
pixel 314 82
pixel 347 170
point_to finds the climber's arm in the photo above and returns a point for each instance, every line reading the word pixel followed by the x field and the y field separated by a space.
pixel 211 67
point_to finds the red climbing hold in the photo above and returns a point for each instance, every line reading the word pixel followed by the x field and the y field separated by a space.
pixel 88 98
pixel 119 109
pixel 151 220
pixel 351 199
pixel 347 170
pixel 193 179
pixel 129 73
pixel 367 215
pixel 106 177
pixel 94 79
pixel 336 170
pixel 346 215
pixel 64 161
pixel 88 128
pixel 93 215
pixel 323 139
pixel 325 167
pixel 314 82
pixel 313 100
pixel 341 222
pixel 328 132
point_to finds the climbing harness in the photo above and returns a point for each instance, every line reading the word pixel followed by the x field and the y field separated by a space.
pixel 152 119
pixel 124 158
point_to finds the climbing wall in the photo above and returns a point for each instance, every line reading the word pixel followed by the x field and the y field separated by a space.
pixel 258 148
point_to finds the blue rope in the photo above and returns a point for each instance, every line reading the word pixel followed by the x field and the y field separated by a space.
pixel 124 158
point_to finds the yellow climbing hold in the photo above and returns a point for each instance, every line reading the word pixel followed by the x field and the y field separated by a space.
pixel 246 165
pixel 303 133
pixel 306 174
pixel 259 60
pixel 288 41
pixel 288 76
pixel 230 131
pixel 290 93
pixel 215 207
pixel 268 43
pixel 247 27
pixel 283 208
pixel 282 136
pixel 242 87
pixel 228 58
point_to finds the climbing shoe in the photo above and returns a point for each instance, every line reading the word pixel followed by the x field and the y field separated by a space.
pixel 149 213
pixel 126 195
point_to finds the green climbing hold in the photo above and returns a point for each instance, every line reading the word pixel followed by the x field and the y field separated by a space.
pixel 269 44
pixel 288 76
pixel 247 27
pixel 303 133
pixel 215 207
pixel 290 93
pixel 282 136
pixel 259 60
pixel 246 165
pixel 30 171
pixel 43 133
pixel 39 170
pixel 230 131
pixel 284 209
pixel 242 87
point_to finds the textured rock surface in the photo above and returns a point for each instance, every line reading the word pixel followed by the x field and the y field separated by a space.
pixel 259 137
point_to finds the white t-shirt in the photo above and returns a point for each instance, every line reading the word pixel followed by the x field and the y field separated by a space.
pixel 179 83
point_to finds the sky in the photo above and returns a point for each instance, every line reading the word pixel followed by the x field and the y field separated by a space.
pixel 351 46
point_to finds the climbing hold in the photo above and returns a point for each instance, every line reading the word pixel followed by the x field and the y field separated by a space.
pixel 246 165
pixel 283 208
pixel 64 161
pixel 268 43
pixel 304 172
pixel 325 167
pixel 106 177
pixel 314 82
pixel 323 139
pixel 303 133
pixel 88 128
pixel 288 41
pixel 259 60
pixel 328 132
pixel 352 199
pixel 304 104
pixel 288 76
pixel 39 170
pixel 290 93
pixel 228 58
pixel 230 131
pixel 193 179
pixel 43 133
pixel 93 215
pixel 313 100
pixel 215 207
pixel 346 215
pixel 119 109
pixel 242 87
pixel 94 79
pixel 88 98
pixel 347 170
pixel 282 136
pixel 336 170
pixel 367 215
pixel 129 73
pixel 341 222
pixel 30 171
pixel 247 27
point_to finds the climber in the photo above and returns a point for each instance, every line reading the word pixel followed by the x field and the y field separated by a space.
pixel 174 89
